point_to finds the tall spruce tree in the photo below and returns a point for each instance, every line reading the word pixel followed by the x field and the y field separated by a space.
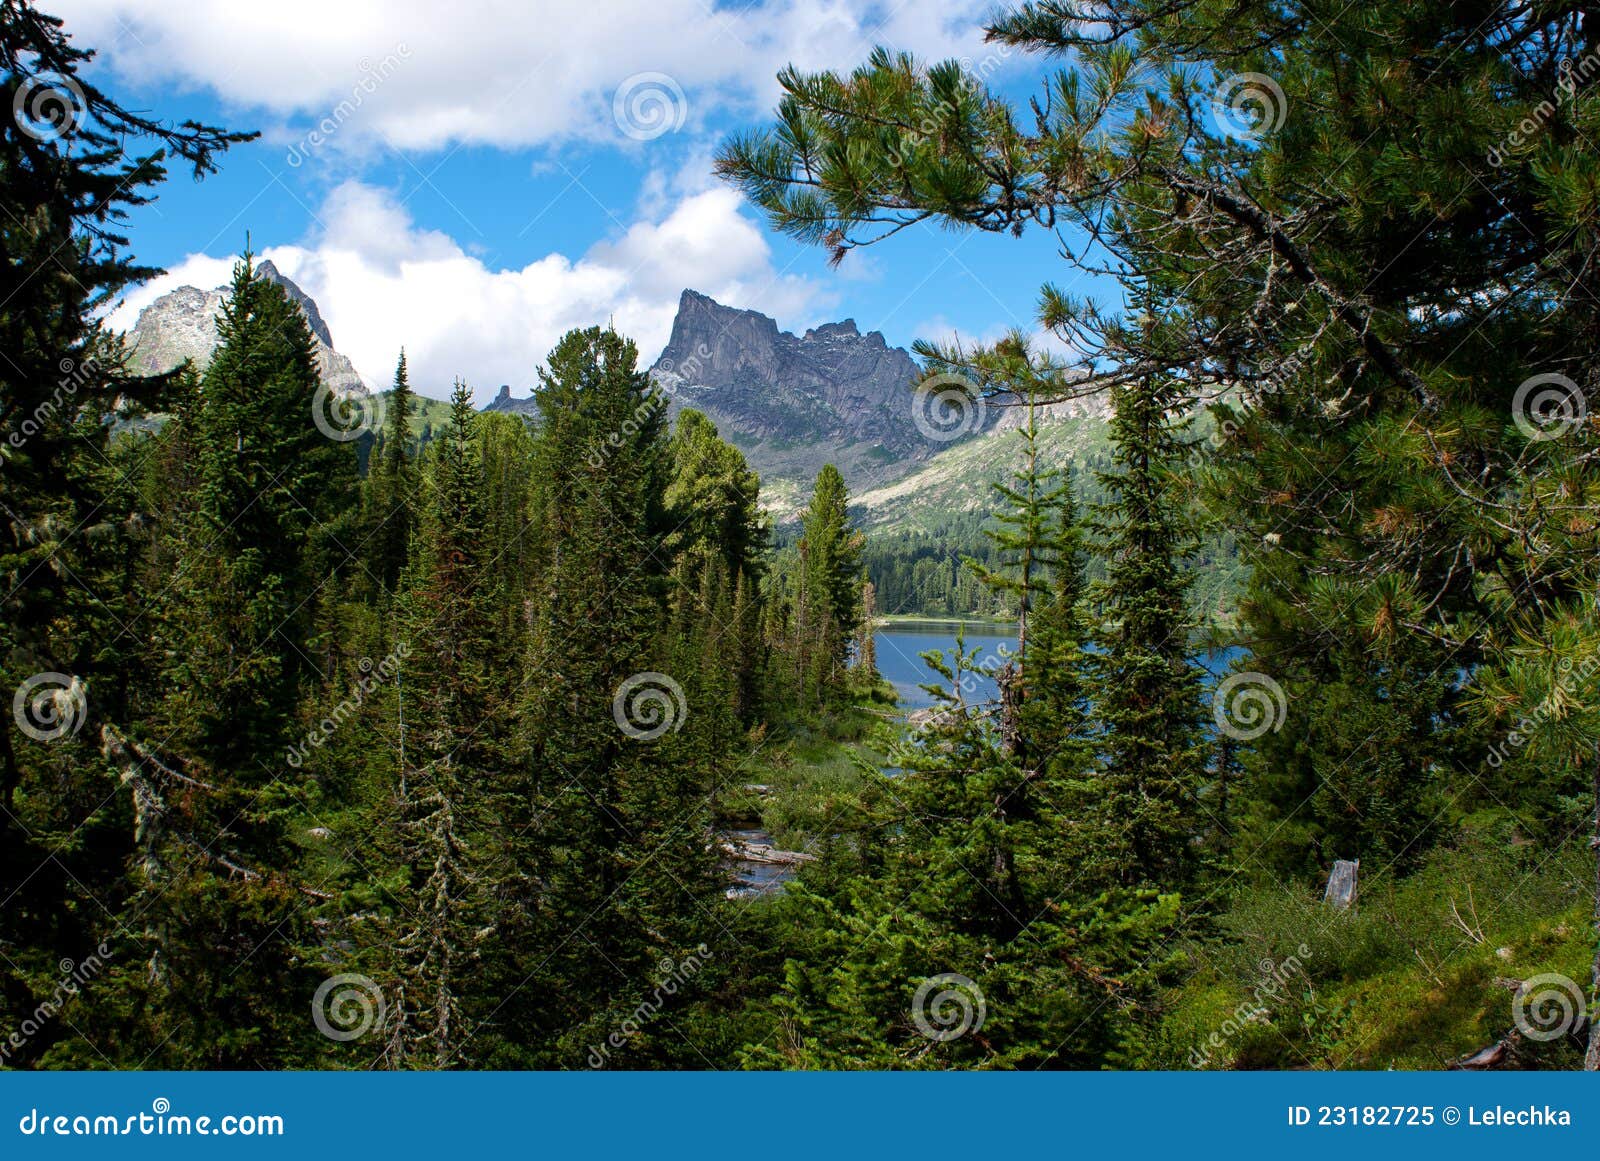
pixel 392 484
pixel 616 845
pixel 1147 689
pixel 269 482
pixel 828 606
pixel 74 160
pixel 219 791
pixel 448 795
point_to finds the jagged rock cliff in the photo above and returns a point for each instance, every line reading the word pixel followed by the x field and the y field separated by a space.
pixel 182 324
pixel 794 402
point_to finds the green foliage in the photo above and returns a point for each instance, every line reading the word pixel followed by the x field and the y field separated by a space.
pixel 593 659
pixel 1146 688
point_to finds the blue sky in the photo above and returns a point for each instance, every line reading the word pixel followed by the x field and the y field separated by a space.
pixel 473 180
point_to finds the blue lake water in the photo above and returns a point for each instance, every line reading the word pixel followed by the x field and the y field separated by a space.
pixel 898 647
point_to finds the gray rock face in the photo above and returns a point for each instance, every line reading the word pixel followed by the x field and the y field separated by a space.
pixel 182 324
pixel 792 403
pixel 832 384
pixel 505 403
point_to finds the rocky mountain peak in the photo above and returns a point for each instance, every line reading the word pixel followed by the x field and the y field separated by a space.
pixel 833 394
pixel 839 330
pixel 300 298
pixel 508 403
pixel 794 402
pixel 182 324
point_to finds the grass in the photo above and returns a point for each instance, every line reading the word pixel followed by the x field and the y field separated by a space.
pixel 812 771
pixel 1422 972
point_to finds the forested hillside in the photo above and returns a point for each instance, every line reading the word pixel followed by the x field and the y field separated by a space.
pixel 358 732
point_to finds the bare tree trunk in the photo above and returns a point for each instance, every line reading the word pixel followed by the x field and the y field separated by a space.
pixel 1010 682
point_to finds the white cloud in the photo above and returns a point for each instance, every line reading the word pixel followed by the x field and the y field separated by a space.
pixel 425 75
pixel 939 329
pixel 382 282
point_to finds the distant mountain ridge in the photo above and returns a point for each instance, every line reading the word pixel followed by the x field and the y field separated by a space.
pixel 833 394
pixel 794 402
pixel 182 324
pixel 790 402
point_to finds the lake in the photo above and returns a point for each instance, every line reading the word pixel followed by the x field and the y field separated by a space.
pixel 900 643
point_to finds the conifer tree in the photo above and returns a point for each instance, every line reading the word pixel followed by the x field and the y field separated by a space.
pixel 448 795
pixel 617 842
pixel 268 482
pixel 827 596
pixel 866 633
pixel 74 160
pixel 218 796
pixel 393 481
pixel 1147 689
pixel 1027 539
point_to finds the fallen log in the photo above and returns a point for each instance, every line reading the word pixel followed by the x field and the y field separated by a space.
pixel 762 853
